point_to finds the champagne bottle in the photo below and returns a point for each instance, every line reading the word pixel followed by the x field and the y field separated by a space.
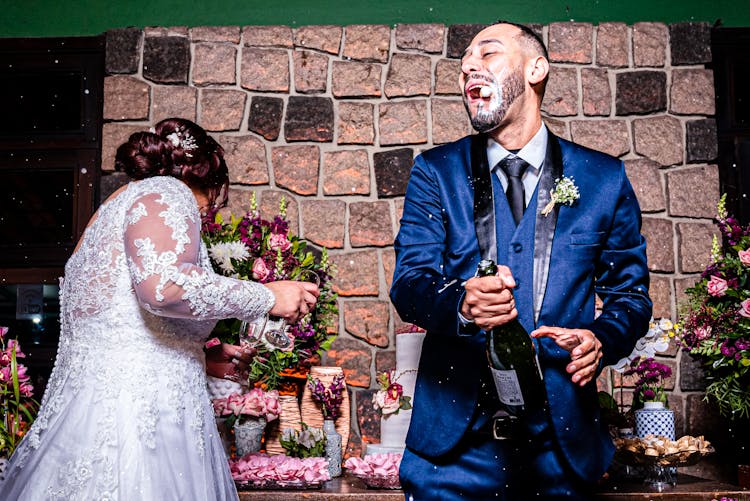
pixel 513 362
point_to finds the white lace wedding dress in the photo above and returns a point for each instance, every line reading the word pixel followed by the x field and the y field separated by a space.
pixel 126 414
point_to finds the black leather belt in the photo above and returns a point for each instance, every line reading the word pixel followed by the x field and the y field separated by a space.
pixel 503 428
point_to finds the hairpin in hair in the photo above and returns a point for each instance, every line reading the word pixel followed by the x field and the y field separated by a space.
pixel 181 139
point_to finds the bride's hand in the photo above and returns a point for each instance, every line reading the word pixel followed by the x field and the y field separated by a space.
pixel 228 361
pixel 294 299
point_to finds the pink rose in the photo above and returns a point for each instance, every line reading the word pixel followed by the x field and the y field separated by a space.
pixel 254 403
pixel 234 403
pixel 385 402
pixel 703 332
pixel 745 308
pixel 279 242
pixel 273 406
pixel 220 407
pixel 260 270
pixel 745 257
pixel 717 287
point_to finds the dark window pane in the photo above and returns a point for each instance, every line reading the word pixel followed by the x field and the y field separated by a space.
pixel 37 207
pixel 38 104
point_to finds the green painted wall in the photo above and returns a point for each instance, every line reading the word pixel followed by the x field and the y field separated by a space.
pixel 32 18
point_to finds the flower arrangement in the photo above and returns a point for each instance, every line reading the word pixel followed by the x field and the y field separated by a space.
pixel 254 403
pixel 390 398
pixel 649 387
pixel 253 248
pixel 329 398
pixel 310 442
pixel 715 325
pixel 17 407
pixel 565 192
pixel 376 470
pixel 260 469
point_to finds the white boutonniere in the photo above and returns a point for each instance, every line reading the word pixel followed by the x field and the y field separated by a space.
pixel 565 192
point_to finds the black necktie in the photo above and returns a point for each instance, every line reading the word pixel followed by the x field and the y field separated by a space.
pixel 514 167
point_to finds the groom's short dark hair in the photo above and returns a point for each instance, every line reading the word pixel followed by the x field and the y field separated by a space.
pixel 529 38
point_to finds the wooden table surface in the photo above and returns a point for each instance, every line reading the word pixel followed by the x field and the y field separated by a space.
pixel 348 488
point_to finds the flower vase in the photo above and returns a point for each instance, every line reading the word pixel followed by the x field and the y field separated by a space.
pixel 333 448
pixel 248 434
pixel 654 419
pixel 290 418
pixel 312 415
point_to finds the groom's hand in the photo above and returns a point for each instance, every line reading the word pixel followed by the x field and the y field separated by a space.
pixel 488 301
pixel 585 350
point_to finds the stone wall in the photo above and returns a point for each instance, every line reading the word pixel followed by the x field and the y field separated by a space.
pixel 331 117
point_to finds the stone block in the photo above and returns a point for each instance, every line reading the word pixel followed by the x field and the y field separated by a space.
pixel 357 272
pixel 570 42
pixel 370 224
pixel 356 123
pixel 354 446
pixel 166 59
pixel 561 96
pixel 126 98
pixel 222 109
pixel 174 101
pixel 123 50
pixel 367 42
pixel 265 116
pixel 227 34
pixel 270 201
pixel 660 291
pixel 693 192
pixel 346 172
pixel 692 92
pixel 296 168
pixel 352 356
pixel 650 44
pixel 309 119
pixel 609 136
pixel 389 265
pixel 659 235
pixel 702 418
pixel 450 121
pixel 428 38
pixel 646 180
pixel 403 122
pixel 110 182
pixel 557 127
pixel 694 244
pixel 680 287
pixel 325 38
pixel 113 135
pixel 214 63
pixel 596 92
pixel 310 72
pixel 324 224
pixel 398 211
pixel 267 36
pixel 368 321
pixel 692 375
pixel 690 43
pixel 640 92
pixel 408 75
pixel 166 31
pixel 246 158
pixel 265 70
pixel 392 170
pixel 447 72
pixel 701 140
pixel 385 360
pixel 659 138
pixel 352 79
pixel 612 45
pixel 368 418
pixel 460 37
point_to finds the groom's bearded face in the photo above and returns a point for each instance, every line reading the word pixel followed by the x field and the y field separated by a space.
pixel 492 75
pixel 487 108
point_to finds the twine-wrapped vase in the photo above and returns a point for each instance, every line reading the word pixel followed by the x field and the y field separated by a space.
pixel 312 415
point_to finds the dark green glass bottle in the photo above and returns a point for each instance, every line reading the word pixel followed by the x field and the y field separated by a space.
pixel 513 362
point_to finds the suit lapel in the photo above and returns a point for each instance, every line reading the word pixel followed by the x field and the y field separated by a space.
pixel 545 225
pixel 484 204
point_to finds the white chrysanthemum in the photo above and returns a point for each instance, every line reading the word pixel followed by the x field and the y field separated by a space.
pixel 223 252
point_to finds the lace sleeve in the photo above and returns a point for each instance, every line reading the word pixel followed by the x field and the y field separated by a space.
pixel 162 246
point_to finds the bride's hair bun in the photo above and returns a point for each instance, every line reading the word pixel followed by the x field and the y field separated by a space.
pixel 179 148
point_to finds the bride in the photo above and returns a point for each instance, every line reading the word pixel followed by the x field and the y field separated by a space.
pixel 126 414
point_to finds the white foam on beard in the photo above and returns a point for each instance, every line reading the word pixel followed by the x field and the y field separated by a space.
pixel 486 111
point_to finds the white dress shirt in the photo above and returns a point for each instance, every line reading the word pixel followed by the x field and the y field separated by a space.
pixel 533 153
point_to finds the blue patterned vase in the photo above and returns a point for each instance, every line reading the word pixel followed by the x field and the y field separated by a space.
pixel 248 434
pixel 333 448
pixel 654 419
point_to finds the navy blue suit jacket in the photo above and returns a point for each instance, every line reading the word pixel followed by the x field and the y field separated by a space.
pixel 592 247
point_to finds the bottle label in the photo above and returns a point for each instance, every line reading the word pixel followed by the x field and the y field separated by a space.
pixel 508 387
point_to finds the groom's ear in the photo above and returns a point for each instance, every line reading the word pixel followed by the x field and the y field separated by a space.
pixel 537 69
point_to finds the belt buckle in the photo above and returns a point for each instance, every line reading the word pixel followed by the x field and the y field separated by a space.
pixel 502 426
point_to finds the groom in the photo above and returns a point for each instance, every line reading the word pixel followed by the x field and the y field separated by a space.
pixel 564 224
